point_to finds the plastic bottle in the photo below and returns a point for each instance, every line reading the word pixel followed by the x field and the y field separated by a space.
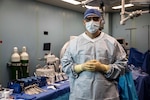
pixel 24 62
pixel 24 56
pixel 15 64
pixel 15 57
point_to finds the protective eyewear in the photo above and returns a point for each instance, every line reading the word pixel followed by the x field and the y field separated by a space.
pixel 87 19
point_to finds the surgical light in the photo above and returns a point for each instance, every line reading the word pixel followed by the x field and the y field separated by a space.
pixel 74 2
pixel 130 15
pixel 91 7
pixel 119 7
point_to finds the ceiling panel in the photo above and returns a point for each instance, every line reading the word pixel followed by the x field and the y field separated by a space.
pixel 107 3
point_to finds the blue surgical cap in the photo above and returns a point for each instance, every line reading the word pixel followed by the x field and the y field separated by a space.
pixel 89 12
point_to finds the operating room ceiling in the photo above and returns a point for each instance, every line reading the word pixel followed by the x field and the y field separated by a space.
pixel 139 4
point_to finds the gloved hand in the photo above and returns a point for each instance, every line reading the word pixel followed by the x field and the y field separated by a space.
pixel 94 65
pixel 81 67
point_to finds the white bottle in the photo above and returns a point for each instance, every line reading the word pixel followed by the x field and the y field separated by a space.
pixel 15 57
pixel 24 57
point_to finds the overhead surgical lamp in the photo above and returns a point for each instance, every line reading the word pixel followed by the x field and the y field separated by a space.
pixel 126 5
pixel 74 2
pixel 132 14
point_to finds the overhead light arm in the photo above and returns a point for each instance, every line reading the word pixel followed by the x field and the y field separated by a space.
pixel 131 15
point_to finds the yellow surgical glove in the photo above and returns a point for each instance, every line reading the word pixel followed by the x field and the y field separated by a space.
pixel 81 67
pixel 92 65
pixel 78 68
pixel 97 66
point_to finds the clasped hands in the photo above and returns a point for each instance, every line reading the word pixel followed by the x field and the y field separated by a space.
pixel 92 65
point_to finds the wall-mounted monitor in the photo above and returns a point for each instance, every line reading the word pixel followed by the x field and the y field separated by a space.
pixel 122 42
pixel 47 46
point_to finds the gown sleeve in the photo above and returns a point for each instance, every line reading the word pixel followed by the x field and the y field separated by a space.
pixel 120 63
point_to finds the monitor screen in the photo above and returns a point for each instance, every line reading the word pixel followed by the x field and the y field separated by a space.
pixel 47 46
pixel 120 41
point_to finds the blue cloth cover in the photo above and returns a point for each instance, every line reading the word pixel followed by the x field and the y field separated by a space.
pixel 61 93
pixel 142 84
pixel 25 97
pixel 146 62
pixel 127 88
pixel 135 57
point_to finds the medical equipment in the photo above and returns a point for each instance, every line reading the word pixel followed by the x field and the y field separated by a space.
pixel 122 42
pixel 52 76
pixel 51 69
pixel 48 70
pixel 50 58
pixel 132 14
pixel 33 89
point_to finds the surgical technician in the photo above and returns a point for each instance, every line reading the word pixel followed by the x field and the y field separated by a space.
pixel 93 60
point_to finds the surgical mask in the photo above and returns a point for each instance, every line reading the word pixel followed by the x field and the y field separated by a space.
pixel 92 26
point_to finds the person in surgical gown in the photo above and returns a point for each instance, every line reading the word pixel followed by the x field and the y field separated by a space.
pixel 93 61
